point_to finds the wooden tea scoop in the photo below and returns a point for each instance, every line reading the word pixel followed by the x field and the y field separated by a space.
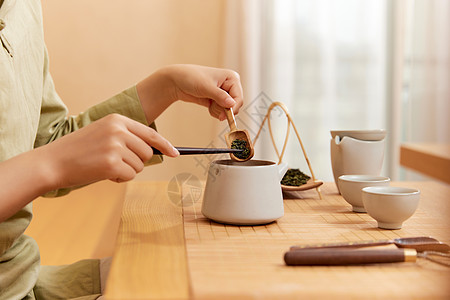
pixel 236 134
pixel 421 243
pixel 191 150
pixel 338 256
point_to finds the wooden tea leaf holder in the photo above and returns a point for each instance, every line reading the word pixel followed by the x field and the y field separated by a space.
pixel 280 156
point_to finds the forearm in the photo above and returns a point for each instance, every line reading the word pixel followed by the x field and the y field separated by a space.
pixel 23 178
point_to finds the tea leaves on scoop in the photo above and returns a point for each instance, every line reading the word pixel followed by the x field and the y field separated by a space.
pixel 241 144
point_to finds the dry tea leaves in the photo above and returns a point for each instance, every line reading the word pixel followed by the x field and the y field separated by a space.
pixel 241 144
pixel 294 177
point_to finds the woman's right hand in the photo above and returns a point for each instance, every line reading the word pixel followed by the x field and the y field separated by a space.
pixel 114 147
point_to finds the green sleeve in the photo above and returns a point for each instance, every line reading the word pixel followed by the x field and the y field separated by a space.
pixel 55 123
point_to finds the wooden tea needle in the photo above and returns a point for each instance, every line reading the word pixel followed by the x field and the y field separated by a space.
pixel 236 134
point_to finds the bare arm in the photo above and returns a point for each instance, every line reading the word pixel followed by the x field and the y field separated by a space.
pixel 22 179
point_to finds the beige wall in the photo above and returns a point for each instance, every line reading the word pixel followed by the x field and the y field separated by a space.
pixel 98 48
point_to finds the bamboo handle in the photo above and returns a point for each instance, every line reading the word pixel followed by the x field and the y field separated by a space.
pixel 328 257
pixel 231 119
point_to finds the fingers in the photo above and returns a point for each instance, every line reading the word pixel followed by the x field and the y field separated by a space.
pixel 215 88
pixel 220 96
pixel 227 92
pixel 217 111
pixel 133 160
pixel 148 137
pixel 234 88
pixel 124 173
pixel 137 140
pixel 228 95
pixel 114 147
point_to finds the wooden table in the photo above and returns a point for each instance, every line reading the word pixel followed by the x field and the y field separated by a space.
pixel 164 251
pixel 80 225
pixel 430 159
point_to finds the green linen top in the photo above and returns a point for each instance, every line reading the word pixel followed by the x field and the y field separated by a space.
pixel 31 115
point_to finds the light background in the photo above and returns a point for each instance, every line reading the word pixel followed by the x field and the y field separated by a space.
pixel 99 48
pixel 344 64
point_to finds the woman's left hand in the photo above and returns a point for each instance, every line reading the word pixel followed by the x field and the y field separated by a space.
pixel 213 88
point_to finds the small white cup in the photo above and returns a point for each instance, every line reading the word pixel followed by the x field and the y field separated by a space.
pixel 390 206
pixel 351 187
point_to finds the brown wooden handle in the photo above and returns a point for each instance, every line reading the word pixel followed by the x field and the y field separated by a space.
pixel 358 244
pixel 328 257
pixel 231 119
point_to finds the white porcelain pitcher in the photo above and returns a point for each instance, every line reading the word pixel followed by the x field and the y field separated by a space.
pixel 244 193
pixel 357 156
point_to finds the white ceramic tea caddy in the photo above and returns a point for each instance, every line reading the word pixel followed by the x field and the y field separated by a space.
pixel 244 193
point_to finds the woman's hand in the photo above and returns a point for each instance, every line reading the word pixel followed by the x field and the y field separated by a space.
pixel 213 88
pixel 114 147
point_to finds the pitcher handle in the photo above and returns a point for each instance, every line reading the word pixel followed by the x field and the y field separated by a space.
pixel 282 168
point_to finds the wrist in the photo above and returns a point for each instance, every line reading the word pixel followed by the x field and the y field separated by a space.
pixel 23 178
pixel 165 79
pixel 155 93
pixel 46 173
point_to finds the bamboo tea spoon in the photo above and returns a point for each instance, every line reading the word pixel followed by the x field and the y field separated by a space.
pixel 191 150
pixel 421 243
pixel 236 134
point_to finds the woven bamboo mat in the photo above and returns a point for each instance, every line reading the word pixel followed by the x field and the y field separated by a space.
pixel 246 262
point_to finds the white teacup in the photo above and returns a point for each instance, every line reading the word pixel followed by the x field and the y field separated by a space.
pixel 351 188
pixel 390 206
pixel 244 193
pixel 362 155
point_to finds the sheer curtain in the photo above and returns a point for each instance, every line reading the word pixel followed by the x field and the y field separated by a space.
pixel 326 61
pixel 343 64
pixel 426 93
pixel 427 76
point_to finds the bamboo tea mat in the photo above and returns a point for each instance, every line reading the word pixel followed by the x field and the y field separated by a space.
pixel 246 262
